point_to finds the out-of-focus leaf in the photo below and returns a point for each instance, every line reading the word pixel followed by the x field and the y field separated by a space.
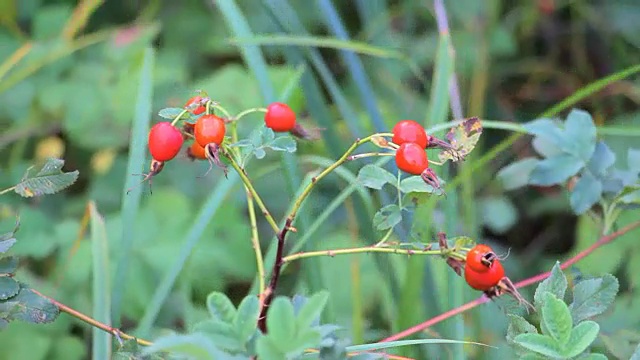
pixel 587 192
pixel 519 325
pixel 172 113
pixel 5 245
pixel 195 346
pixel 32 308
pixel 220 307
pixel 309 314
pixel 602 159
pixel 547 129
pixel 629 195
pixel 498 213
pixel 516 175
pixel 246 318
pixel 49 179
pixel 281 322
pixel 580 134
pixel 555 170
pixel 415 184
pixel 8 265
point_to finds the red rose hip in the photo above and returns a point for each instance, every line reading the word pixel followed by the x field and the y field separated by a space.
pixel 209 129
pixel 407 131
pixel 165 141
pixel 411 158
pixel 280 117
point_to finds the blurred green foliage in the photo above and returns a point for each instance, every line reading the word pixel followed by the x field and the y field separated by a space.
pixel 69 80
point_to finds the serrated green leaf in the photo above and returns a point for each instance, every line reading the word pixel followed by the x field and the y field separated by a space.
pixel 281 323
pixel 220 307
pixel 539 343
pixel 33 308
pixel 246 318
pixel 5 245
pixel 601 160
pixel 592 297
pixel 222 334
pixel 48 180
pixel 519 325
pixel 580 134
pixel 557 318
pixel 195 346
pixel 172 113
pixel 387 217
pixel 310 312
pixel 463 138
pixel 581 337
pixel 415 184
pixel 8 265
pixel 517 174
pixel 375 177
pixel 555 170
pixel 8 287
pixel 556 284
pixel 587 192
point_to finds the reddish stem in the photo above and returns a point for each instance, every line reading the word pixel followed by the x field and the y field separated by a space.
pixel 530 281
pixel 275 276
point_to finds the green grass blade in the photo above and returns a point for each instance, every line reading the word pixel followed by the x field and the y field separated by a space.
pixel 101 341
pixel 207 211
pixel 354 64
pixel 322 42
pixel 393 344
pixel 131 201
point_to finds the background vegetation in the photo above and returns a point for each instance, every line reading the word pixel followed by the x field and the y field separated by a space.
pixel 82 81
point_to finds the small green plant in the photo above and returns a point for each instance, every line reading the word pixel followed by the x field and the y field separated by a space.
pixel 565 329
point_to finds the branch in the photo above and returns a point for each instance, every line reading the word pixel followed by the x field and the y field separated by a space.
pixel 532 280
pixel 93 322
pixel 372 249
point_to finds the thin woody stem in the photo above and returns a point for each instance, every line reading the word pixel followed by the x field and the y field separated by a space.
pixel 7 190
pixel 249 111
pixel 372 249
pixel 532 280
pixel 277 266
pixel 93 322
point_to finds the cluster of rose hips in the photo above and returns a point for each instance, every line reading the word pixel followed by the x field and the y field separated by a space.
pixel 208 132
pixel 411 156
pixel 483 271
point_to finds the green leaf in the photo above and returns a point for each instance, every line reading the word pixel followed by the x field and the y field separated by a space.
pixel 283 143
pixel 581 337
pixel 8 265
pixel 463 138
pixel 33 308
pixel 593 356
pixel 375 177
pixel 5 245
pixel 532 356
pixel 267 349
pixel 220 307
pixel 8 287
pixel 629 195
pixel 539 343
pixel 387 217
pixel 556 318
pixel 223 335
pixel 580 134
pixel 281 322
pixel 587 192
pixel 517 174
pixel 393 344
pixel 555 170
pixel 303 340
pixel 547 129
pixel 633 159
pixel 415 184
pixel 195 346
pixel 636 354
pixel 49 179
pixel 601 160
pixel 519 325
pixel 310 312
pixel 172 113
pixel 592 297
pixel 101 340
pixel 545 147
pixel 556 284
pixel 246 317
